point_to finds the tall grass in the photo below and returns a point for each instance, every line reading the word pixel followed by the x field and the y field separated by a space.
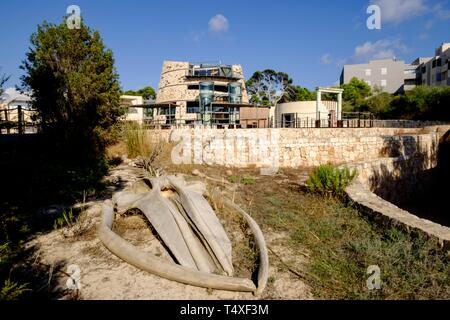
pixel 135 137
pixel 148 149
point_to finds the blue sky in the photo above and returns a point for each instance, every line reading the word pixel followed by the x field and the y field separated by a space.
pixel 310 40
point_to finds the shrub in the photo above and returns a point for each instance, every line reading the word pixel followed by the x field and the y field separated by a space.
pixel 330 181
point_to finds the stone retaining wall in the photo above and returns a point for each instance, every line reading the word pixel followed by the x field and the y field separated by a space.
pixel 385 213
pixel 296 147
pixel 393 178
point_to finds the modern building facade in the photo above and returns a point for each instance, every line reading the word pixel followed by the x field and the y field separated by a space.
pixel 203 93
pixel 434 71
pixel 396 76
pixel 300 114
pixel 390 75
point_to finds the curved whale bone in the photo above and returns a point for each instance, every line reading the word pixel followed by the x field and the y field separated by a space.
pixel 188 226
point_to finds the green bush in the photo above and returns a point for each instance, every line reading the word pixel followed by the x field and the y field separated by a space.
pixel 330 181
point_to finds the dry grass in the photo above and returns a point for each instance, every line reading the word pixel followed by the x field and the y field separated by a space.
pixel 338 243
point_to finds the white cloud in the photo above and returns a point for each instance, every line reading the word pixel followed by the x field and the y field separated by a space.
pixel 396 11
pixel 440 12
pixel 381 49
pixel 326 59
pixel 218 24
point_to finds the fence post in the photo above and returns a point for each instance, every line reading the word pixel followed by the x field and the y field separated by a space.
pixel 318 120
pixel 20 118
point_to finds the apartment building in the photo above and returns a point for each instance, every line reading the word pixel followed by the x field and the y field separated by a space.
pixel 434 71
pixel 395 76
pixel 388 74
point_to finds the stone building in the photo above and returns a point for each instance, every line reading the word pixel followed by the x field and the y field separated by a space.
pixel 206 94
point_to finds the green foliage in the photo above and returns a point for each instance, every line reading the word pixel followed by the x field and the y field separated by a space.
pixel 330 181
pixel 303 94
pixel 245 179
pixel 356 91
pixel 66 220
pixel 421 103
pixel 75 88
pixel 377 104
pixel 12 290
pixel 147 93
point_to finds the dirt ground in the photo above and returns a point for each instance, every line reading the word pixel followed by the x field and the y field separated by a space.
pixel 105 276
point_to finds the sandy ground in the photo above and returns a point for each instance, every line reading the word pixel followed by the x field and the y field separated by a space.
pixel 105 276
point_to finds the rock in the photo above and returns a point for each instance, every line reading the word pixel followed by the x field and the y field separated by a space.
pixel 229 173
pixel 195 172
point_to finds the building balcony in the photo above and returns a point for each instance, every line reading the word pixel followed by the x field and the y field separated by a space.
pixel 213 72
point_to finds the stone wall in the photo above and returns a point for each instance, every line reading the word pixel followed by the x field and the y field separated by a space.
pixel 296 147
pixel 401 172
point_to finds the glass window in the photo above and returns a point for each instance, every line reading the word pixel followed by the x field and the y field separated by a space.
pixel 368 72
pixel 192 107
pixel 383 71
pixel 369 82
pixel 383 83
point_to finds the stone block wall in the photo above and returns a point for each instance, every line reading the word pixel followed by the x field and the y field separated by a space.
pixel 298 147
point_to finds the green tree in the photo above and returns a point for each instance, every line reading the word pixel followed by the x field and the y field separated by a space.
pixel 303 94
pixel 75 87
pixel 269 87
pixel 147 93
pixel 421 103
pixel 378 104
pixel 355 91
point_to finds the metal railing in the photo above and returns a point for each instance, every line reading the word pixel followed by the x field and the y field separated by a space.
pixel 313 120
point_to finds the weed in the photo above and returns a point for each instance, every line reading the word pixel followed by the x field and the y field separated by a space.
pixel 245 180
pixel 13 290
pixel 71 225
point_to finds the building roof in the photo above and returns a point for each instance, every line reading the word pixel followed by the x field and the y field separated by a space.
pixel 11 95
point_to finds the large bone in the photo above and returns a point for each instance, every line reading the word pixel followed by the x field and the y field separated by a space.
pixel 155 208
pixel 203 216
pixel 160 267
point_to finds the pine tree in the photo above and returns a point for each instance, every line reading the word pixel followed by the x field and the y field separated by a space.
pixel 75 87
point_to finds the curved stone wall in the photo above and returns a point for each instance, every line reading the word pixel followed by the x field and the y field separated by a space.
pixel 392 178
